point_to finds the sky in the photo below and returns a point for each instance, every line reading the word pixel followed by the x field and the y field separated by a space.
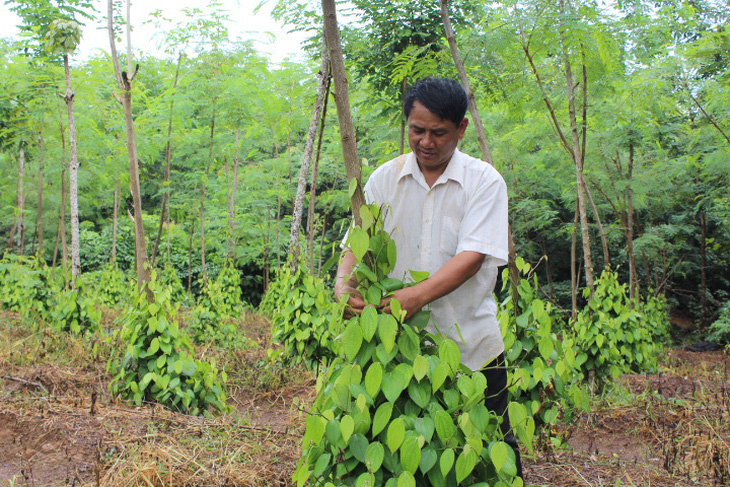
pixel 270 37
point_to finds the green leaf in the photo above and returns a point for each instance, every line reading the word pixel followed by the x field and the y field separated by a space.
pixel 393 384
pixel 420 393
pixel 498 454
pixel 420 319
pixel 382 417
pixel 347 427
pixel 439 376
pixel 406 479
pixel 419 276
pixel 358 241
pixel 374 456
pixel 387 329
pixel 373 379
pixel 429 457
pixel 352 340
pixel 374 295
pixel 410 454
pixel 396 434
pixel 314 430
pixel 369 322
pixel 449 352
pixel 465 463
pixel 445 426
pixel 446 461
pixel 420 367
pixel 358 446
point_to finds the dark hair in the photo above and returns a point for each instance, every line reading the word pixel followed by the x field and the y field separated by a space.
pixel 443 97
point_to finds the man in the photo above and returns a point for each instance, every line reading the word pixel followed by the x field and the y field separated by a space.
pixel 447 213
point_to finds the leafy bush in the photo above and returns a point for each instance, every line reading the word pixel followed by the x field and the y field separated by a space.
pixel 76 312
pixel 223 295
pixel 27 285
pixel 720 328
pixel 158 362
pixel 546 373
pixel 221 299
pixel 398 408
pixel 170 278
pixel 305 317
pixel 110 286
pixel 613 333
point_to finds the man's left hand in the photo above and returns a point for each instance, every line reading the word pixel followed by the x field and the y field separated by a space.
pixel 410 300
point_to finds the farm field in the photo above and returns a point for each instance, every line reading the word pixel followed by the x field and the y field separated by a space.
pixel 60 427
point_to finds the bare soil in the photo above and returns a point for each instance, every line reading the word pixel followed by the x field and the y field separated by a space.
pixel 60 427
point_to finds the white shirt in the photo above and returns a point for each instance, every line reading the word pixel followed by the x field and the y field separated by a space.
pixel 465 210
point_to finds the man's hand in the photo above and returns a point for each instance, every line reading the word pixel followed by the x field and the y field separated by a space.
pixel 355 301
pixel 410 299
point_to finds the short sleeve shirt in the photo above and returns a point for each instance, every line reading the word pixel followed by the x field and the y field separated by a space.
pixel 465 210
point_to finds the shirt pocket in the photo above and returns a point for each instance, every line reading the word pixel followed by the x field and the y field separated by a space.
pixel 449 235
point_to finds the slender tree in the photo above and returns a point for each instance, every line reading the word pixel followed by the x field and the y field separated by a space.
pixel 62 38
pixel 307 158
pixel 124 83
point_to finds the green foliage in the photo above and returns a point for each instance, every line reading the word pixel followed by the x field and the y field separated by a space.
pixel 169 278
pixel 305 319
pixel 720 328
pixel 547 367
pixel 397 407
pixel 76 311
pixel 110 286
pixel 613 332
pixel 158 363
pixel 220 299
pixel 27 285
pixel 62 37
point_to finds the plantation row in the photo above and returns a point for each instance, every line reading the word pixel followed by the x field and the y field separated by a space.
pixel 389 391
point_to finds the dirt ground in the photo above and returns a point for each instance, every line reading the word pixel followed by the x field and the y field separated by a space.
pixel 59 427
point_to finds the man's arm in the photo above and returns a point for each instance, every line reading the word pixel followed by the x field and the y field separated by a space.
pixel 455 272
pixel 346 283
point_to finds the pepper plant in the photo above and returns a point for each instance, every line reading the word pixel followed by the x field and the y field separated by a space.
pixel 76 312
pixel 614 333
pixel 397 408
pixel 546 370
pixel 304 317
pixel 158 364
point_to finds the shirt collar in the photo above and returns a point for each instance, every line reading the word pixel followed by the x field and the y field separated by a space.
pixel 454 170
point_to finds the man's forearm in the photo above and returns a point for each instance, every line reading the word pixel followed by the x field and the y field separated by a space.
pixel 345 277
pixel 453 274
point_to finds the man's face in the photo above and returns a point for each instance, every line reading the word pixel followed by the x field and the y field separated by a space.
pixel 432 139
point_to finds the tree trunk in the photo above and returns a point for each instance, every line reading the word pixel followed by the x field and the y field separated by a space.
pixel 124 82
pixel 482 138
pixel 190 256
pixel 703 269
pixel 578 158
pixel 73 177
pixel 575 147
pixel 633 271
pixel 39 213
pixel 115 223
pixel 232 188
pixel 601 230
pixel 573 270
pixel 17 233
pixel 306 160
pixel 342 99
pixel 203 265
pixel 313 185
pixel 165 211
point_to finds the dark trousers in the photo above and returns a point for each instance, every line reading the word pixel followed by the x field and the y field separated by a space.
pixel 496 399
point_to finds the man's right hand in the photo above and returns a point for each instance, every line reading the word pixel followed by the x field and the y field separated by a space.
pixel 355 301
